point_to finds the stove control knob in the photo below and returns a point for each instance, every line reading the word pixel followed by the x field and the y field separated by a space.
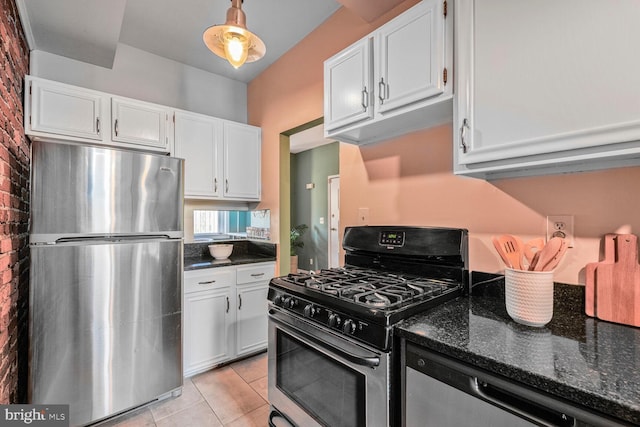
pixel 292 302
pixel 309 310
pixel 278 300
pixel 334 320
pixel 349 327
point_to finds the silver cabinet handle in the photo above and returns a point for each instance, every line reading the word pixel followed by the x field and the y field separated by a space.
pixel 215 185
pixel 463 135
pixel 115 127
pixel 98 124
pixel 207 283
pixel 365 98
pixel 227 304
pixel 226 184
pixel 382 89
pixel 240 303
pixel 257 275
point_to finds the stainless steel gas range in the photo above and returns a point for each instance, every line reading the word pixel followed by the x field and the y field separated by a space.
pixel 331 347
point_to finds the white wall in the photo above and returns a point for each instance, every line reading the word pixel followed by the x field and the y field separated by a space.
pixel 142 75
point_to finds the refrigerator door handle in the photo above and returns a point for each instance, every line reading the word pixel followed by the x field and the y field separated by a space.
pixel 121 238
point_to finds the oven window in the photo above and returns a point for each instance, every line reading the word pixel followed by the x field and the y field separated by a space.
pixel 330 391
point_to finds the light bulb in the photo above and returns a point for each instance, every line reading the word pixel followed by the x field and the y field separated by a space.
pixel 236 48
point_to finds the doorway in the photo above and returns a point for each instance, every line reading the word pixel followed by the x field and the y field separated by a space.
pixel 311 161
pixel 334 221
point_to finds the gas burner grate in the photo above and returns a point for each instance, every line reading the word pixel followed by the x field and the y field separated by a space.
pixel 372 288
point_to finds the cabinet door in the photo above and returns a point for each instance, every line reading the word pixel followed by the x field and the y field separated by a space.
pixel 251 318
pixel 198 140
pixel 545 83
pixel 410 57
pixel 139 123
pixel 348 91
pixel 242 160
pixel 209 313
pixel 206 329
pixel 60 109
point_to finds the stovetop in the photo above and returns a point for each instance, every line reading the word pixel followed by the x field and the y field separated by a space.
pixel 372 288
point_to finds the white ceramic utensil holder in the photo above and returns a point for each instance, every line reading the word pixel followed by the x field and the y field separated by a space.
pixel 529 296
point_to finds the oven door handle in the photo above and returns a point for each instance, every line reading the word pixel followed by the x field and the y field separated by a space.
pixel 370 362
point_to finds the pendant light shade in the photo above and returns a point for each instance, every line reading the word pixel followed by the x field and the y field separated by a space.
pixel 232 41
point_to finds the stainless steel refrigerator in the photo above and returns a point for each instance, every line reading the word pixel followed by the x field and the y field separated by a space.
pixel 105 279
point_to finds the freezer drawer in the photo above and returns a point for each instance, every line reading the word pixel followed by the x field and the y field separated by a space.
pixel 79 191
pixel 105 325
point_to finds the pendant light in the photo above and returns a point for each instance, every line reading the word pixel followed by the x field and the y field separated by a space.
pixel 232 40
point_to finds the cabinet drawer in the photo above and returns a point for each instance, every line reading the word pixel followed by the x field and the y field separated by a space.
pixel 210 278
pixel 255 273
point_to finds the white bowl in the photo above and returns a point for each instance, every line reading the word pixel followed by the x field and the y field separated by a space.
pixel 220 251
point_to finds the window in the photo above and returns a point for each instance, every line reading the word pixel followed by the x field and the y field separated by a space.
pixel 221 225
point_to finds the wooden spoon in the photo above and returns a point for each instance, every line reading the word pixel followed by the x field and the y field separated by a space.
pixel 547 253
pixel 531 247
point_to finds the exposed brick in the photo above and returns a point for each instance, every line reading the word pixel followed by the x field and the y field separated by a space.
pixel 14 204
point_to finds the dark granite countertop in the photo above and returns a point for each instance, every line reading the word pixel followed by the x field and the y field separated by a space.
pixel 584 360
pixel 196 255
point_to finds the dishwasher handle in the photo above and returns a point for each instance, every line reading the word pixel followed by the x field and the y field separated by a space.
pixel 520 405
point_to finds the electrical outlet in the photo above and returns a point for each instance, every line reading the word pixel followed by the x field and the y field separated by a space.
pixel 561 226
pixel 310 261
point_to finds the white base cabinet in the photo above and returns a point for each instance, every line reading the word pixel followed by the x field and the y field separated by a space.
pixel 251 321
pixel 225 314
pixel 208 318
pixel 395 80
pixel 546 87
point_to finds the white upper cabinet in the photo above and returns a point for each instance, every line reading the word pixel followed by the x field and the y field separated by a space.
pixel 62 110
pixel 242 161
pixel 222 158
pixel 546 87
pixel 199 142
pixel 410 51
pixel 58 111
pixel 393 81
pixel 348 86
pixel 140 123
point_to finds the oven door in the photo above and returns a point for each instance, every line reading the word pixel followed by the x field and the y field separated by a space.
pixel 318 378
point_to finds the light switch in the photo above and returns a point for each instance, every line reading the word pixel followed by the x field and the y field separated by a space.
pixel 321 220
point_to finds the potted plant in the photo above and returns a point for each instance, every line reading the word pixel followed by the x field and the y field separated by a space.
pixel 296 242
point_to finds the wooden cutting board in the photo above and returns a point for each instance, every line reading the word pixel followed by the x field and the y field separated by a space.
pixel 590 274
pixel 618 285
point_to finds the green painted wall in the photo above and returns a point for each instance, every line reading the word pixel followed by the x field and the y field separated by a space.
pixel 309 206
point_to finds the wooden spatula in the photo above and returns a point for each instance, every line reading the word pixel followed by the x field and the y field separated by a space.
pixel 557 258
pixel 511 249
pixel 550 250
pixel 501 252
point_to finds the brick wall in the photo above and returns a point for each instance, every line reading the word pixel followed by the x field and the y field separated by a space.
pixel 14 209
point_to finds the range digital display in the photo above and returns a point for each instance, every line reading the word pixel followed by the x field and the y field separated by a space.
pixel 391 238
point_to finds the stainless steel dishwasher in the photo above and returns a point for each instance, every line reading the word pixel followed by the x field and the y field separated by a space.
pixel 438 391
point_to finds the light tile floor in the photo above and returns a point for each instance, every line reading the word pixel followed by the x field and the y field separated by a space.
pixel 231 396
